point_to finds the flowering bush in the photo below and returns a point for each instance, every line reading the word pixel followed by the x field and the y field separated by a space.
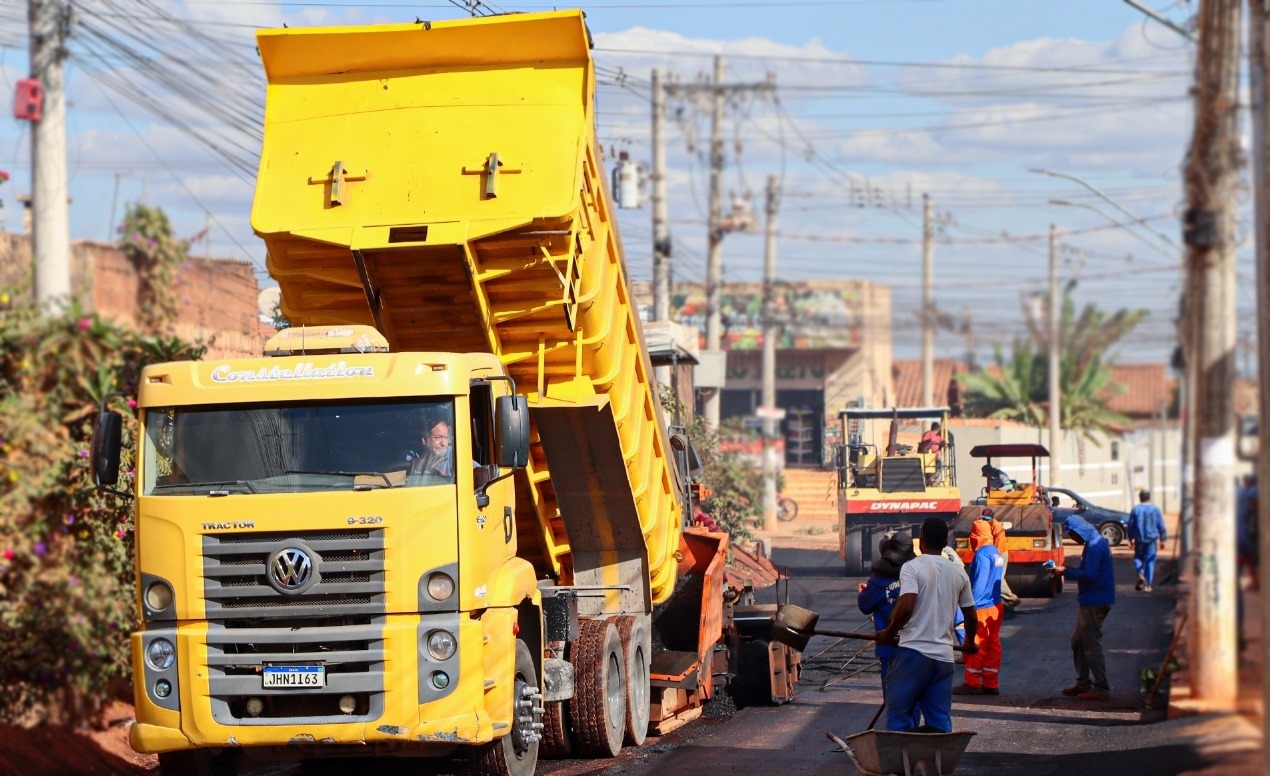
pixel 66 566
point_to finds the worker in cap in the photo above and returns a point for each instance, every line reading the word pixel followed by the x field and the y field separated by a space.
pixel 880 592
pixel 1095 594
pixel 986 572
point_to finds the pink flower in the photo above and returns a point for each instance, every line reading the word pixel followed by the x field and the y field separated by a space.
pixel 85 324
pixel 83 453
pixel 121 533
pixel 8 553
pixel 41 548
pixel 132 404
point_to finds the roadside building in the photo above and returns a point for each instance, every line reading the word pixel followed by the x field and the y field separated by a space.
pixel 217 296
pixel 834 349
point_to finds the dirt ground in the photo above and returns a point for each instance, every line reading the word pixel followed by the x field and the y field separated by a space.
pixel 54 750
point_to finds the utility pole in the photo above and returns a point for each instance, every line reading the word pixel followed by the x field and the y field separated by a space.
pixel 1259 72
pixel 661 218
pixel 718 226
pixel 928 305
pixel 769 360
pixel 714 259
pixel 50 220
pixel 1055 395
pixel 1211 176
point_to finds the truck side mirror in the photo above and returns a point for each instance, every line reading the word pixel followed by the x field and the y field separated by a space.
pixel 686 455
pixel 106 447
pixel 511 431
pixel 107 443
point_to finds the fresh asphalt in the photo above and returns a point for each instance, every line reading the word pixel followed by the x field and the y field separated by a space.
pixel 1030 729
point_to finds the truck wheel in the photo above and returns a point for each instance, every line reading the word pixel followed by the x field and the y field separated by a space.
pixel 200 762
pixel 598 708
pixel 853 563
pixel 557 741
pixel 637 648
pixel 516 753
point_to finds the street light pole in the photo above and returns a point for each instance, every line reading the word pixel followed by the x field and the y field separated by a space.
pixel 1055 419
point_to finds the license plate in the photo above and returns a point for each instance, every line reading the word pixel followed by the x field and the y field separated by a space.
pixel 294 677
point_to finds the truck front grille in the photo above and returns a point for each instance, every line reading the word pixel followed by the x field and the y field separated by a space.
pixel 337 622
pixel 349 565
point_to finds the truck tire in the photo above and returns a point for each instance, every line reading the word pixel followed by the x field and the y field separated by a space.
pixel 637 648
pixel 557 741
pixel 853 563
pixel 516 753
pixel 200 762
pixel 598 708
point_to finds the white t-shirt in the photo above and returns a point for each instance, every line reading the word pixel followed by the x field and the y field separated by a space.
pixel 941 587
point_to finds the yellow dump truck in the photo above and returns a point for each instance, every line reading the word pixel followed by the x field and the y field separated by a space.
pixel 442 517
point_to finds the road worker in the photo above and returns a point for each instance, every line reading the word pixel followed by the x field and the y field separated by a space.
pixel 1146 528
pixel 879 594
pixel 986 571
pixel 996 478
pixel 998 540
pixel 920 680
pixel 1096 593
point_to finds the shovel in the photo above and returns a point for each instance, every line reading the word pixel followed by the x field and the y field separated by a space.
pixel 794 626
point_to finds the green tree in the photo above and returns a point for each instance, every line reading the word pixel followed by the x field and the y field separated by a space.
pixel 1019 390
pixel 66 552
pixel 147 242
pixel 736 488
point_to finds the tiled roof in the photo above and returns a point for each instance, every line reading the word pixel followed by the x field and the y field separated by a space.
pixel 1147 388
pixel 907 374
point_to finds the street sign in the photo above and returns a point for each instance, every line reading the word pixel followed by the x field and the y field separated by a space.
pixel 770 413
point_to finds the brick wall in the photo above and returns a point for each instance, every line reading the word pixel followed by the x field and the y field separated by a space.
pixel 217 297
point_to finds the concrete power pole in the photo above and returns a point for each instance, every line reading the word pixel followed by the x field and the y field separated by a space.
pixel 1259 71
pixel 1055 348
pixel 928 305
pixel 769 360
pixel 50 219
pixel 714 259
pixel 1211 176
pixel 661 218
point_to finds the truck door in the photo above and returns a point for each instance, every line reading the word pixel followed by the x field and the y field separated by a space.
pixel 492 538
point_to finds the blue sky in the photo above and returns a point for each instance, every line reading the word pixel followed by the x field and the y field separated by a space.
pixel 956 98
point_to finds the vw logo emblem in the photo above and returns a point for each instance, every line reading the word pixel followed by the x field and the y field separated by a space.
pixel 291 570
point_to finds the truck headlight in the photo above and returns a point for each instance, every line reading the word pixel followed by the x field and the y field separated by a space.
pixel 161 654
pixel 158 596
pixel 440 586
pixel 441 645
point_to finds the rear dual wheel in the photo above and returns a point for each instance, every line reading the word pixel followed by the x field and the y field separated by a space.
pixel 637 647
pixel 598 708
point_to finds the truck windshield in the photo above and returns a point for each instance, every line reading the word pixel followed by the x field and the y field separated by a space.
pixel 297 447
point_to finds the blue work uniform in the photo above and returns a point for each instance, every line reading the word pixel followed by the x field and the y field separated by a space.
pixel 1095 594
pixel 878 599
pixel 1146 531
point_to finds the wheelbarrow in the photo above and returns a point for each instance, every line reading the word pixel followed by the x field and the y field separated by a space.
pixel 888 753
pixel 794 626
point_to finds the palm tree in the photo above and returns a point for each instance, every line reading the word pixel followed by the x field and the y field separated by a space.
pixel 1020 389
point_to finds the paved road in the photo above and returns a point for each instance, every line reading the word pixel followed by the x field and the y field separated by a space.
pixel 1028 730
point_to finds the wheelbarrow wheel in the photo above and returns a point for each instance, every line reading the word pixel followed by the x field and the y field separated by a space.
pixel 925 768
